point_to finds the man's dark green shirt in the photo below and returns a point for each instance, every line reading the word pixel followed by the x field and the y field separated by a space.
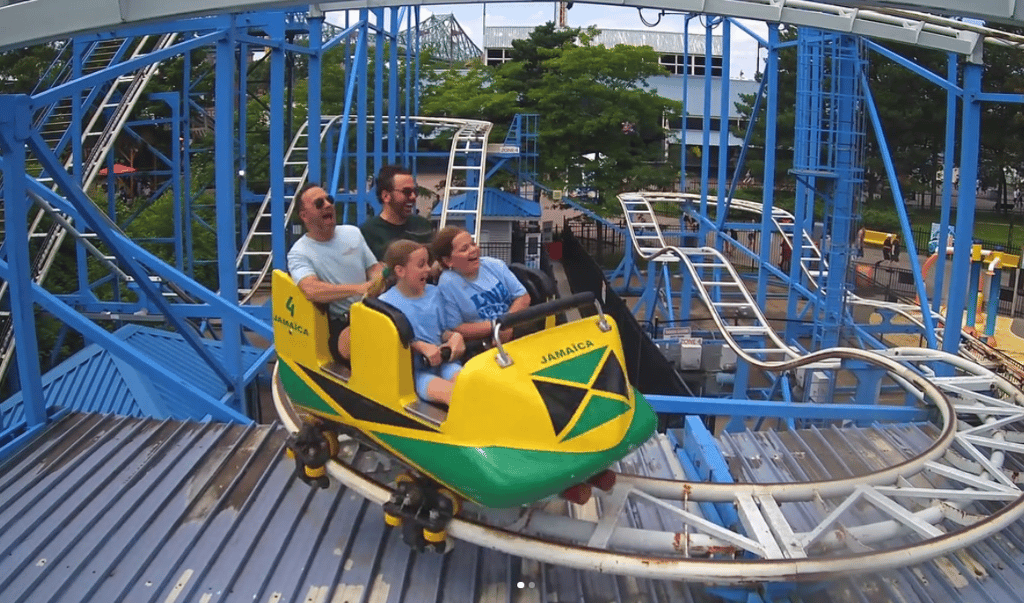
pixel 379 233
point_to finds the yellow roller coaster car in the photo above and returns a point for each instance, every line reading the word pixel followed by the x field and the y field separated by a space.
pixel 527 420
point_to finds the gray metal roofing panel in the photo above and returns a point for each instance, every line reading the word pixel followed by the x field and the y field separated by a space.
pixel 660 41
pixel 991 570
pixel 101 508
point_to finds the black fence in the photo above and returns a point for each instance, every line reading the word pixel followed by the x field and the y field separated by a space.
pixel 897 284
pixel 602 242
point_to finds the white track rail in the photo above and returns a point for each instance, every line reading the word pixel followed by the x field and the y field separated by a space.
pixel 467 161
pixel 959 486
pixel 255 258
pixel 647 241
pixel 946 496
pixel 103 132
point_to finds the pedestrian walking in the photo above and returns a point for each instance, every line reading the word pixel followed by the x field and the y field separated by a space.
pixel 786 254
pixel 887 248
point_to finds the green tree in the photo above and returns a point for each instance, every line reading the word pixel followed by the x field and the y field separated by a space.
pixel 601 123
pixel 22 70
pixel 1002 124
pixel 911 110
pixel 785 118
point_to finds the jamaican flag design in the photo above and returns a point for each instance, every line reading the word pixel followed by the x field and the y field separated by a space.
pixel 593 381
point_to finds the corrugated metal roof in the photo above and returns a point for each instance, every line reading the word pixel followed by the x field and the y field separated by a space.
pixel 106 509
pixel 94 380
pixel 101 508
pixel 497 204
pixel 660 41
pixel 992 570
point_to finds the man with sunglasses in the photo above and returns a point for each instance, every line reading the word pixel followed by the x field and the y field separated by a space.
pixel 331 263
pixel 397 193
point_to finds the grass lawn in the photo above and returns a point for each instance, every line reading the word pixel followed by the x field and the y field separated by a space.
pixel 1005 229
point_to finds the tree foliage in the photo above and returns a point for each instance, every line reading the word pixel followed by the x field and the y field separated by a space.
pixel 912 111
pixel 22 69
pixel 600 124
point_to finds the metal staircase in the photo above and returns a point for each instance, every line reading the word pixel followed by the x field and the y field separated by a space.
pixel 117 106
pixel 55 121
pixel 112 114
pixel 467 162
pixel 524 137
pixel 255 258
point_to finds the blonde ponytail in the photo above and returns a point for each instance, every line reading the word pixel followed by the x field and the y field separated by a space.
pixel 380 283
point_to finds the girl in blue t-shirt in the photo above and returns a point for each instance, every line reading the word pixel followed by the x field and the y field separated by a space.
pixel 409 262
pixel 475 289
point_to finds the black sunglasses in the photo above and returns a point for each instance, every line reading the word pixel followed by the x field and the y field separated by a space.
pixel 319 203
pixel 408 192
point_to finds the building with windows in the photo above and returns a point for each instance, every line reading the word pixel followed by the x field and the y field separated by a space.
pixel 685 63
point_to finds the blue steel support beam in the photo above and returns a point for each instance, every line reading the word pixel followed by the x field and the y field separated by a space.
pixel 353 82
pixel 711 466
pixel 224 177
pixel 416 80
pixel 686 405
pixel 948 84
pixel 974 290
pixel 277 151
pixel 755 112
pixel 361 89
pixel 174 102
pixel 126 353
pixel 969 144
pixel 241 160
pixel 847 129
pixel 705 142
pixel 216 304
pixel 99 224
pixel 686 287
pixel 75 129
pixel 393 98
pixel 15 130
pixel 379 127
pixel 947 186
pixel 313 155
pixel 993 301
pixel 184 153
pixel 771 70
pixel 901 212
pixel 98 78
pixel 807 129
pixel 722 207
pixel 412 58
pixel 77 115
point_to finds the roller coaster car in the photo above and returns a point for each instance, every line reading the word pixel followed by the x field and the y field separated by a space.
pixel 529 419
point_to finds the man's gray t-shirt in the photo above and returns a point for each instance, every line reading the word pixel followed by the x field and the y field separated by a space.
pixel 343 260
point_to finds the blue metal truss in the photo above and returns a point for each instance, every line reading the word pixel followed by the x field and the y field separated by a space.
pixel 109 276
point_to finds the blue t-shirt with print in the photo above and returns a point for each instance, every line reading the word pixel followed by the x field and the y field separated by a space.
pixel 424 312
pixel 487 296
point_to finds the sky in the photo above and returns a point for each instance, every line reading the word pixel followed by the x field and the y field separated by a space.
pixel 471 18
